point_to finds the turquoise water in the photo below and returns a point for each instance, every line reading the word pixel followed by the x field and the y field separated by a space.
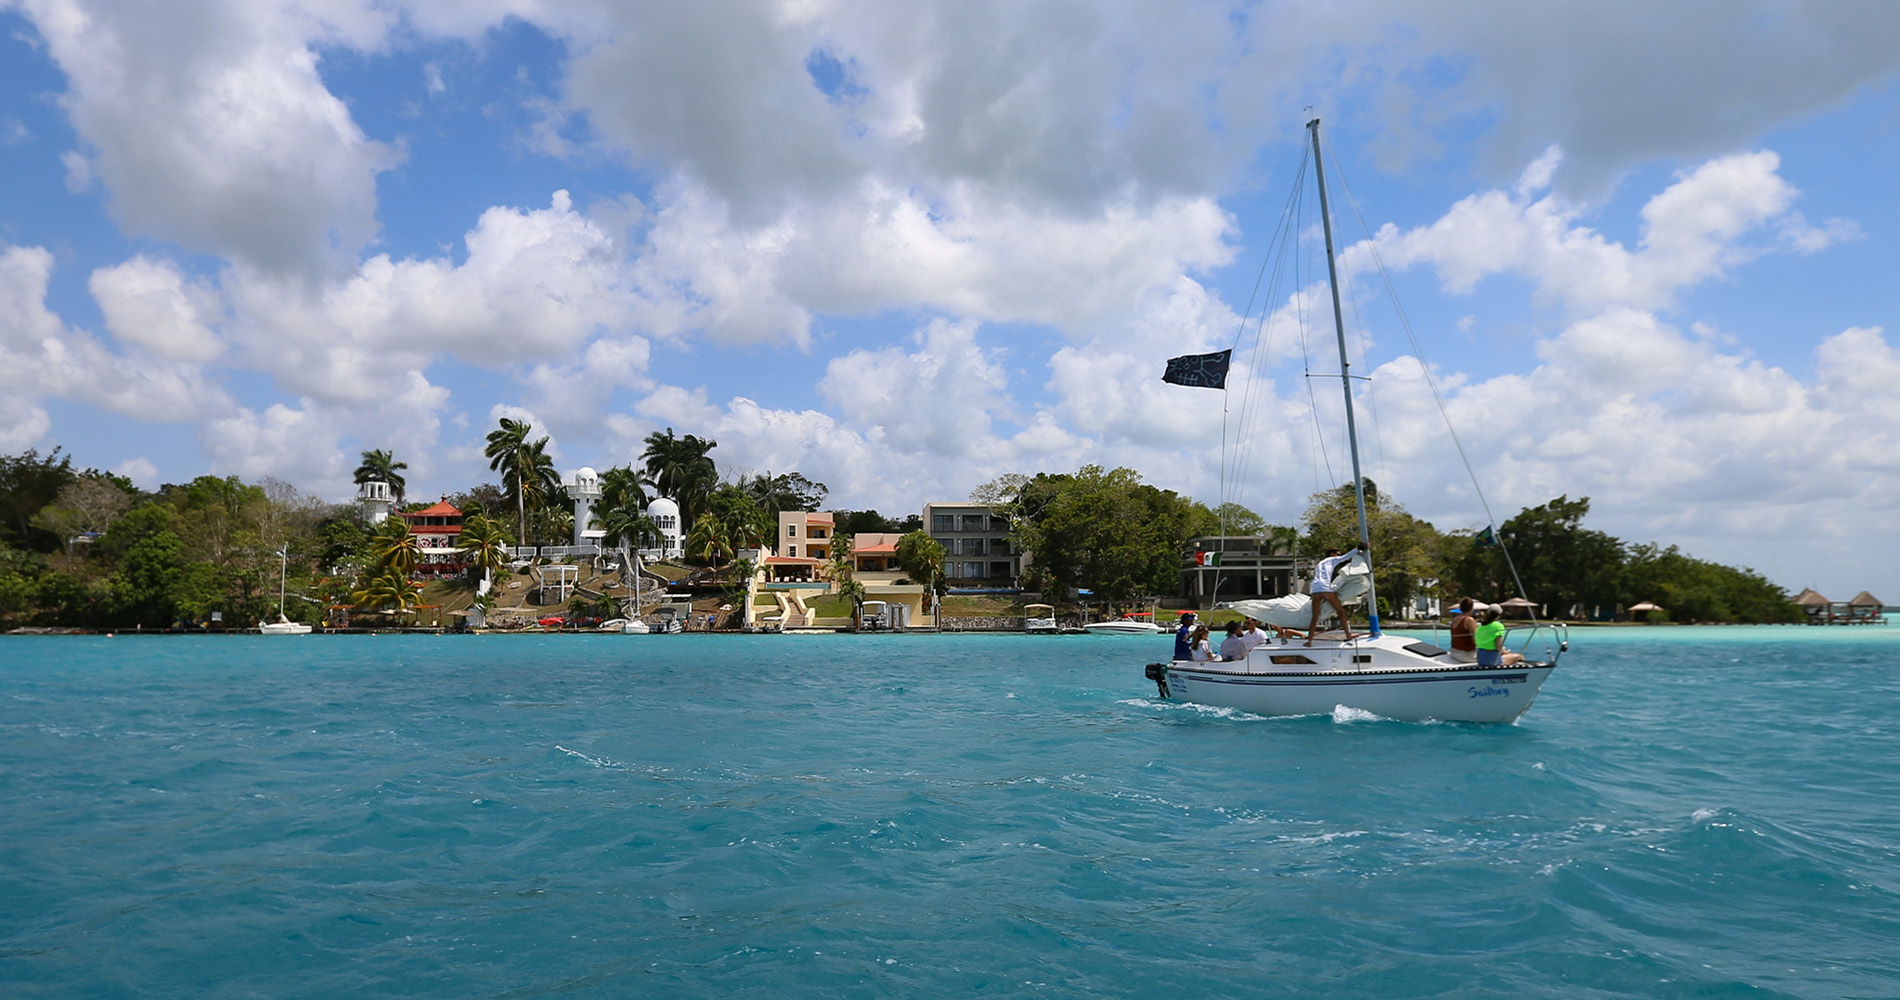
pixel 1684 813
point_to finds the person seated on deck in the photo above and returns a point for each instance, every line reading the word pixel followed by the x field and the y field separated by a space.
pixel 1252 635
pixel 1464 645
pixel 1490 639
pixel 1198 649
pixel 1235 647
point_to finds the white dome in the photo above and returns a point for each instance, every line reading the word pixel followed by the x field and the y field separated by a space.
pixel 663 505
pixel 586 476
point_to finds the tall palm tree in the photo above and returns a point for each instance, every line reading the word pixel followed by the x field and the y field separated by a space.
pixel 395 547
pixel 624 486
pixel 841 565
pixel 527 473
pixel 484 543
pixel 921 557
pixel 682 468
pixel 381 467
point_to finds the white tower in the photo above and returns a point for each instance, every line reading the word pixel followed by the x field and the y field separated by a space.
pixel 380 500
pixel 666 516
pixel 584 490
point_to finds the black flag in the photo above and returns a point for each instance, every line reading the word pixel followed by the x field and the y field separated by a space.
pixel 1206 371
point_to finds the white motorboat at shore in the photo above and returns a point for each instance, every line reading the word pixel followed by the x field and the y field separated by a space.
pixel 1134 623
pixel 1040 619
pixel 1388 676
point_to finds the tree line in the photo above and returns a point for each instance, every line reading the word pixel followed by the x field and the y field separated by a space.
pixel 86 548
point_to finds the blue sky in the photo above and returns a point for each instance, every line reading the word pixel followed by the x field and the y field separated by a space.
pixel 906 248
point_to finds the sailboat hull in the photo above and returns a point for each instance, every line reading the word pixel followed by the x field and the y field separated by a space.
pixel 1376 676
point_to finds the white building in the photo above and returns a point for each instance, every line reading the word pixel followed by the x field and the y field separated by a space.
pixel 666 516
pixel 584 490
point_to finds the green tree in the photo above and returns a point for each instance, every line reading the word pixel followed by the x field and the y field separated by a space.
pixel 623 487
pixel 747 524
pixel 1562 564
pixel 483 544
pixel 388 592
pixel 842 565
pixel 682 468
pixel 1405 550
pixel 527 473
pixel 709 541
pixel 149 558
pixel 1238 520
pixel 921 558
pixel 86 506
pixel 787 491
pixel 28 482
pixel 853 591
pixel 382 467
pixel 395 547
pixel 1107 532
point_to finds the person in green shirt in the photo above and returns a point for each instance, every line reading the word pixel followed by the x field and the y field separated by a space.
pixel 1490 637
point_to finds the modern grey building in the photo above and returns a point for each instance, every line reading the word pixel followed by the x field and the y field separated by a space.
pixel 977 551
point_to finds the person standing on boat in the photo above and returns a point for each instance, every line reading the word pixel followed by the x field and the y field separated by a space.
pixel 1464 629
pixel 1183 649
pixel 1323 590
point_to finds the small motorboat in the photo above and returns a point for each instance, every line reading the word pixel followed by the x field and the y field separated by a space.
pixel 1133 623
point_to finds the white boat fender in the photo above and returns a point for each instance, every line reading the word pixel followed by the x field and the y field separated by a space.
pixel 1158 672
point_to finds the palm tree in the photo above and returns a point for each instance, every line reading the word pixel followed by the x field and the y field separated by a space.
pixel 842 565
pixel 395 547
pixel 381 467
pixel 388 591
pixel 921 558
pixel 682 469
pixel 527 473
pixel 853 591
pixel 628 526
pixel 708 540
pixel 624 486
pixel 484 543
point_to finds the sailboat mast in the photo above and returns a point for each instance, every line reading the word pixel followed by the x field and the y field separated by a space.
pixel 1345 376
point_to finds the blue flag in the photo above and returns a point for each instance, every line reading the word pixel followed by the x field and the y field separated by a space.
pixel 1486 538
pixel 1207 371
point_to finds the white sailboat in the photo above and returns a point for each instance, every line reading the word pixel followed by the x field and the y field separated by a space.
pixel 283 625
pixel 634 624
pixel 1388 676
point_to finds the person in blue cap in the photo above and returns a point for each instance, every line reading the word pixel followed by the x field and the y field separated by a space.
pixel 1183 648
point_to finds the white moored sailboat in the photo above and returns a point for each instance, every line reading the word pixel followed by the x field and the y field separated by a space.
pixel 283 625
pixel 1389 676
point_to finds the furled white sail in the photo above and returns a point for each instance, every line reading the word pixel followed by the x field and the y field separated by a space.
pixel 1351 580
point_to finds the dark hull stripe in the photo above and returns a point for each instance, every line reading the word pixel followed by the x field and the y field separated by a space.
pixel 1324 680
